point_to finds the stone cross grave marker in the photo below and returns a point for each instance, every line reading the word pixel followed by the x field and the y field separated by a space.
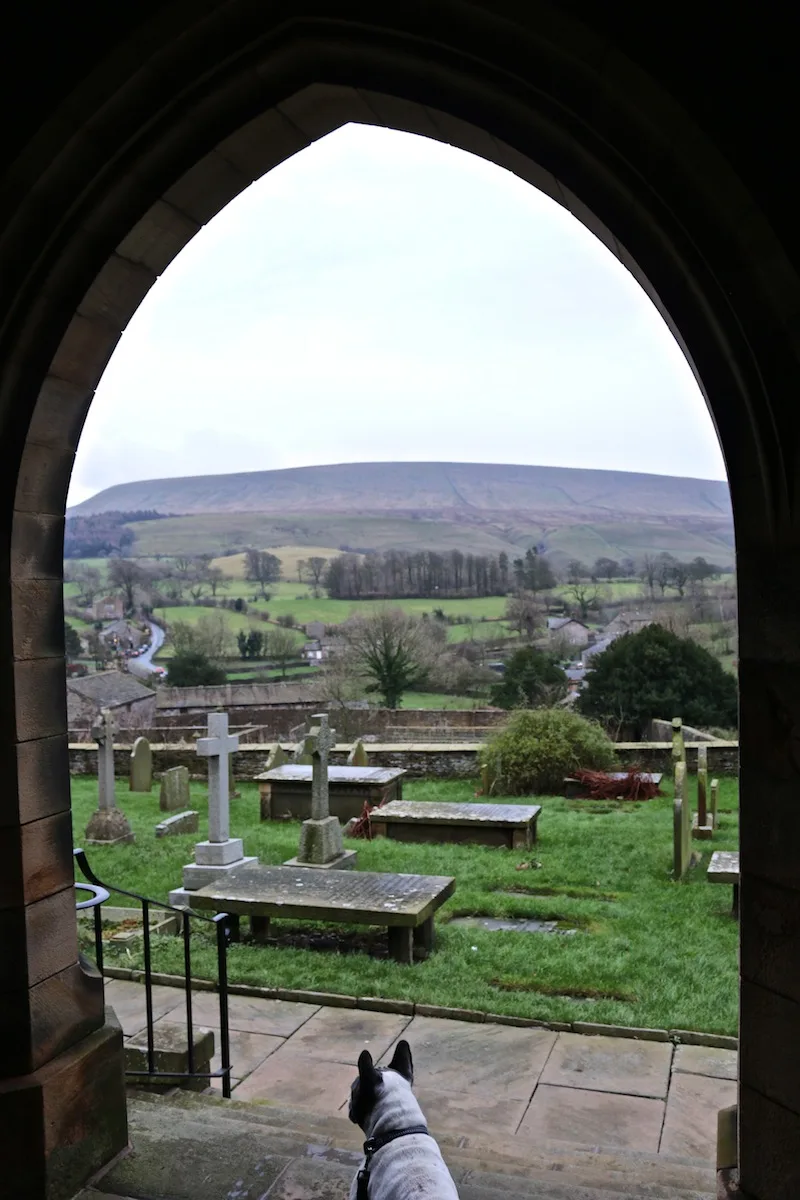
pixel 174 795
pixel 321 842
pixel 678 745
pixel 216 748
pixel 141 766
pixel 221 853
pixel 703 826
pixel 358 755
pixel 109 824
pixel 682 825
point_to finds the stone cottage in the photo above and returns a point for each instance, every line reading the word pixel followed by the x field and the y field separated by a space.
pixel 131 701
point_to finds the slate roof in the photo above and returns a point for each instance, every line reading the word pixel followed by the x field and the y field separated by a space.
pixel 560 622
pixel 109 689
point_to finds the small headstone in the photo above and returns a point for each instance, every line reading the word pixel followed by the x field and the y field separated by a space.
pixel 108 825
pixel 277 757
pixel 182 822
pixel 712 811
pixel 703 827
pixel 141 766
pixel 682 825
pixel 358 755
pixel 174 790
pixel 321 842
pixel 304 751
pixel 678 746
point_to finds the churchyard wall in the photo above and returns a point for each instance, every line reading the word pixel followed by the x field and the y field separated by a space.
pixel 420 760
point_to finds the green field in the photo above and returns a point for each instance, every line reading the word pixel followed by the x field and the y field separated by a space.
pixel 645 951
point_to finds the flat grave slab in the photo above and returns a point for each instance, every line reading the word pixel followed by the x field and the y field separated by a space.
pixel 511 825
pixel 404 904
pixel 724 868
pixel 286 791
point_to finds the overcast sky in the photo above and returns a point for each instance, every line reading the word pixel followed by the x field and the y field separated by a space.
pixel 384 297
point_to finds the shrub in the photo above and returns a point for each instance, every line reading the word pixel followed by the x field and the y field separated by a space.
pixel 192 668
pixel 539 748
pixel 531 680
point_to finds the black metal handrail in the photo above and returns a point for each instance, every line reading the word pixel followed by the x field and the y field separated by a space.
pixel 100 892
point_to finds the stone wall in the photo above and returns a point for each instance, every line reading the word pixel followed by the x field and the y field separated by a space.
pixel 439 761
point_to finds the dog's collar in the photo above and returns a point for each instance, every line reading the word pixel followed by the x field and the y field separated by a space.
pixel 372 1146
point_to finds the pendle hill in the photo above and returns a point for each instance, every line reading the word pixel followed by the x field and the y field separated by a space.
pixel 474 507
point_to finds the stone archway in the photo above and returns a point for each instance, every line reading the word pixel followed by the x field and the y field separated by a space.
pixel 176 118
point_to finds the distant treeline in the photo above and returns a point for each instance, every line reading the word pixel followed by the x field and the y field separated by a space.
pixel 103 534
pixel 428 573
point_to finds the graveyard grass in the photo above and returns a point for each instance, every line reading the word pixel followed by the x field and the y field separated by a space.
pixel 648 952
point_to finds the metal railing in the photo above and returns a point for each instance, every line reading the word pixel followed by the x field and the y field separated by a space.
pixel 99 893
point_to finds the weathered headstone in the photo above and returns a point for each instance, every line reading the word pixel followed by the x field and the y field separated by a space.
pixel 321 842
pixel 682 825
pixel 141 766
pixel 174 795
pixel 303 755
pixel 277 757
pixel 703 826
pixel 109 825
pixel 181 822
pixel 712 812
pixel 678 746
pixel 221 853
pixel 358 755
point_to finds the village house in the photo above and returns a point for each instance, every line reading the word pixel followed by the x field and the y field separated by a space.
pixel 110 608
pixel 569 630
pixel 131 701
pixel 627 623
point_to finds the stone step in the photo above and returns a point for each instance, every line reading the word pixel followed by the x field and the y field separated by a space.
pixel 335 1145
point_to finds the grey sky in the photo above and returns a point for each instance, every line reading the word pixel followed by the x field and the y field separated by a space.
pixel 384 297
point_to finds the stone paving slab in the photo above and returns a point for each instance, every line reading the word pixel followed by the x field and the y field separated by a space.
pixel 281 1018
pixel 705 1060
pixel 690 1126
pixel 289 1079
pixel 127 1000
pixel 453 1057
pixel 340 1034
pixel 576 1115
pixel 606 1064
pixel 470 1113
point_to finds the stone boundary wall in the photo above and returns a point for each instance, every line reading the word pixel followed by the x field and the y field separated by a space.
pixel 422 761
pixel 277 720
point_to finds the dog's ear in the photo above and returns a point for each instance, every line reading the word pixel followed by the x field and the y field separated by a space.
pixel 364 1089
pixel 401 1061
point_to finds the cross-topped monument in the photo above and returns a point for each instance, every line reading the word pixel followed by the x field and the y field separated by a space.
pixel 109 824
pixel 221 853
pixel 321 842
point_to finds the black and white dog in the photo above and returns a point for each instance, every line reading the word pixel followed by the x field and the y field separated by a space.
pixel 401 1159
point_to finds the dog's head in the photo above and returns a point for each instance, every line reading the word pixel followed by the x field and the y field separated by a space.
pixel 370 1083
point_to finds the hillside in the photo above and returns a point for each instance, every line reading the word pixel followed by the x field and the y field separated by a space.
pixel 484 508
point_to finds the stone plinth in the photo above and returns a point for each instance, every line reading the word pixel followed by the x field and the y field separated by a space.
pixel 510 825
pixel 170 1054
pixel 286 791
pixel 108 827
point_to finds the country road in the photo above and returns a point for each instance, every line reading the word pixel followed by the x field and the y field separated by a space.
pixel 143 665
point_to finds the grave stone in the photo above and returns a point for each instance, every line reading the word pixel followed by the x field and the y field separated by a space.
pixel 712 812
pixel 321 842
pixel 174 796
pixel 303 755
pixel 141 766
pixel 181 822
pixel 678 745
pixel 682 825
pixel 109 825
pixel 221 854
pixel 703 826
pixel 358 755
pixel 277 757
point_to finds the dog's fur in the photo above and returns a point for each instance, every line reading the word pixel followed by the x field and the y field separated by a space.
pixel 381 1102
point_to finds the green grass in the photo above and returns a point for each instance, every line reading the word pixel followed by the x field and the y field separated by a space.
pixel 653 952
pixel 440 700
